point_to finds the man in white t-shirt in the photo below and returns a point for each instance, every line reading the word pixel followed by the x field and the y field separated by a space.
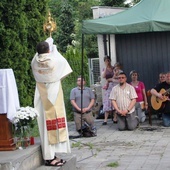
pixel 123 98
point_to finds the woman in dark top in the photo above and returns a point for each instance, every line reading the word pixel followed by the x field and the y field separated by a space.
pixel 109 74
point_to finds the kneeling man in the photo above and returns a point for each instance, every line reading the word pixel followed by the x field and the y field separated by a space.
pixel 123 98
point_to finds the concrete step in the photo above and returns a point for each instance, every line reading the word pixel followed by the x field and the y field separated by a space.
pixel 26 159
pixel 31 159
pixel 69 165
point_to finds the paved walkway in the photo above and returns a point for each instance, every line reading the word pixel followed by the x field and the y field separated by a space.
pixel 146 148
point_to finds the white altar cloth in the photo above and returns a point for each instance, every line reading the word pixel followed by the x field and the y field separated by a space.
pixel 9 100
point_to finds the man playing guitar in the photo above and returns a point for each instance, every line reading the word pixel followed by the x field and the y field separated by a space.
pixel 161 95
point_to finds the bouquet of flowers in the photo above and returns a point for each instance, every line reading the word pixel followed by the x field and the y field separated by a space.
pixel 23 120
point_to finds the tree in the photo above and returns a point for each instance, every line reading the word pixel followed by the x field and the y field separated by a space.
pixel 66 29
pixel 119 3
pixel 133 2
pixel 20 31
pixel 73 56
pixel 81 10
pixel 116 3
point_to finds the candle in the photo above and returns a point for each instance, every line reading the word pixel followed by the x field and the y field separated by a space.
pixel 31 140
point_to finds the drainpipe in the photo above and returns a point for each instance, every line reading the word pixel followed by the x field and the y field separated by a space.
pixel 105 45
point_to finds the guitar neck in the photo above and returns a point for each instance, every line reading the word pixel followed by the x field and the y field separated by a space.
pixel 166 93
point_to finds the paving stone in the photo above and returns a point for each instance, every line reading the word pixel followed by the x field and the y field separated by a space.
pixel 143 148
pixel 146 148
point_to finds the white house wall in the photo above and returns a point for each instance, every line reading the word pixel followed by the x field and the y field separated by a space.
pixel 99 12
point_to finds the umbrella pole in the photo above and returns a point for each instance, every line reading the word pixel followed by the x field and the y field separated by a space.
pixel 82 61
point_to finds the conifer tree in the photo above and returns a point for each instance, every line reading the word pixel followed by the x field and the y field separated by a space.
pixel 21 28
pixel 113 2
pixel 66 22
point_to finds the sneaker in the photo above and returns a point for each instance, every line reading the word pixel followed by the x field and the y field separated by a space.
pixel 104 123
pixel 94 130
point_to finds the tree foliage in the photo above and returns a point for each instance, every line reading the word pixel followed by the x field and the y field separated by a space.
pixel 76 11
pixel 73 56
pixel 119 3
pixel 116 3
pixel 66 22
pixel 21 28
pixel 21 24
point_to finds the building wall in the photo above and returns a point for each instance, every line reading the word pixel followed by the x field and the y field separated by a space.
pixel 148 53
pixel 103 11
pixel 98 12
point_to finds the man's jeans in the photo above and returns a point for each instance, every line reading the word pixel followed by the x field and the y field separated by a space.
pixel 166 119
pixel 128 122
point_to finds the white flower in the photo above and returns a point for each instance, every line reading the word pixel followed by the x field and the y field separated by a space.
pixel 24 116
pixel 16 121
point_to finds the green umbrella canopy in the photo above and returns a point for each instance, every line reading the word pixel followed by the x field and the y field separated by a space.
pixel 146 16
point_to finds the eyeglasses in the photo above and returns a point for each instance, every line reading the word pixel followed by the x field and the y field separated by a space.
pixel 121 77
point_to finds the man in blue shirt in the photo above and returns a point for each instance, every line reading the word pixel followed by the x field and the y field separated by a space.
pixel 86 111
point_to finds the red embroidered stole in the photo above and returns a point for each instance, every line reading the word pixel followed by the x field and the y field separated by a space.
pixel 54 114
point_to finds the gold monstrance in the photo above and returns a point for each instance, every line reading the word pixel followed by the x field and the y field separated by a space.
pixel 50 25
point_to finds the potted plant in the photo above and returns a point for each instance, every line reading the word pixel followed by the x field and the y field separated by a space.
pixel 23 122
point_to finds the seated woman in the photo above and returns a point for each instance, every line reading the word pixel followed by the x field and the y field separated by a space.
pixel 141 101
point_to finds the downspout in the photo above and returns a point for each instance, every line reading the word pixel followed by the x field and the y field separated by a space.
pixel 109 46
pixel 105 44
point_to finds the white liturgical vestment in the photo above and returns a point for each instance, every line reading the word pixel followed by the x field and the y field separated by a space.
pixel 49 69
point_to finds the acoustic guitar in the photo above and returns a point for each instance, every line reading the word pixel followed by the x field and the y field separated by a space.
pixel 156 102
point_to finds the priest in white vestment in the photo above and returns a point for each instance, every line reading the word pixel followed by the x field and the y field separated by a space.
pixel 49 68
